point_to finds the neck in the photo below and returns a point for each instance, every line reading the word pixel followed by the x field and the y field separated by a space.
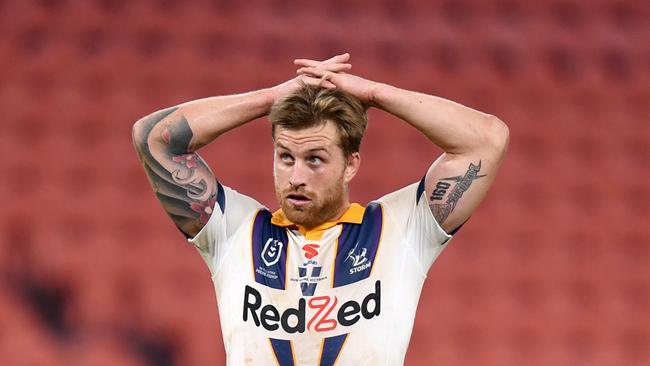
pixel 337 215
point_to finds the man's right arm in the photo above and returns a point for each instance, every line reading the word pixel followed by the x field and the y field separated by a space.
pixel 166 142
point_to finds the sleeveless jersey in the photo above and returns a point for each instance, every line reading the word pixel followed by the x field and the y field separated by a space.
pixel 344 293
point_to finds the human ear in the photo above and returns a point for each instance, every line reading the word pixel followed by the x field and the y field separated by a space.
pixel 352 166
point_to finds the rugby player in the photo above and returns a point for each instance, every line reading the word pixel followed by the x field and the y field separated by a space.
pixel 320 281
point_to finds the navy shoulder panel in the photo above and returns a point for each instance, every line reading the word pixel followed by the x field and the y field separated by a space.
pixel 269 245
pixel 418 193
pixel 221 197
pixel 357 247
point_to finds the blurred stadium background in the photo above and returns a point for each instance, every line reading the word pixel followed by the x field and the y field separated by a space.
pixel 553 269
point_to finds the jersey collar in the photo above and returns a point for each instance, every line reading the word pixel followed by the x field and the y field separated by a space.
pixel 353 215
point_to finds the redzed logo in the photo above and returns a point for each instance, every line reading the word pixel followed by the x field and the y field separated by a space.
pixel 311 250
pixel 324 314
pixel 323 323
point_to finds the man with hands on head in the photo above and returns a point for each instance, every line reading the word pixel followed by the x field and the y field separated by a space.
pixel 321 280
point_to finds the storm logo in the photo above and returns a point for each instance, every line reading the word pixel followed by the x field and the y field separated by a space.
pixel 359 260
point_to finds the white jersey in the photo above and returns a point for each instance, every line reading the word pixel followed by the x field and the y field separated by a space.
pixel 344 293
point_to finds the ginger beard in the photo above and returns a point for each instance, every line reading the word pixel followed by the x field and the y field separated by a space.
pixel 324 206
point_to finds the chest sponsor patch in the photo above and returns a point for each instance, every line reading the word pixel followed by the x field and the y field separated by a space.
pixel 317 314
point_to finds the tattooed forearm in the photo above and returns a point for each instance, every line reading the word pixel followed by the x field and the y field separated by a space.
pixel 441 211
pixel 177 135
pixel 180 178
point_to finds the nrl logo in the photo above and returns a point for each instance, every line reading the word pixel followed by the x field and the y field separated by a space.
pixel 271 252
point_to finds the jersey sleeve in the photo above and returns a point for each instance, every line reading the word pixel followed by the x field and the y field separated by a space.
pixel 231 210
pixel 409 209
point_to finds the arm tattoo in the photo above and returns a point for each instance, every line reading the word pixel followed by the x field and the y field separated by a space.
pixel 182 181
pixel 441 211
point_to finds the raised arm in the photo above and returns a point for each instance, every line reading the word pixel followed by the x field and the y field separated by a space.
pixel 474 143
pixel 166 142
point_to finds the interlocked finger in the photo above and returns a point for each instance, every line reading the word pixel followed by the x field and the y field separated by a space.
pixel 339 58
pixel 324 79
pixel 313 72
pixel 335 67
pixel 330 68
pixel 336 63
pixel 321 82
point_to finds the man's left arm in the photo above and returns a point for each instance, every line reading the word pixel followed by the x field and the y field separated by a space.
pixel 474 145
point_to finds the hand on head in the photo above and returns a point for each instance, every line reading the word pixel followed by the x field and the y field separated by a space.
pixel 336 64
pixel 331 73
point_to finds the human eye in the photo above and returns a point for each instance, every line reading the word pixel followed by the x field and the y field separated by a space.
pixel 286 157
pixel 315 160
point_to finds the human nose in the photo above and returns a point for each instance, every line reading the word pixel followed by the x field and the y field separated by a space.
pixel 298 175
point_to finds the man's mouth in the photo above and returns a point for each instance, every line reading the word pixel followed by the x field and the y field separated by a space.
pixel 298 199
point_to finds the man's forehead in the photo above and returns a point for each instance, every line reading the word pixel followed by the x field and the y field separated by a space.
pixel 318 137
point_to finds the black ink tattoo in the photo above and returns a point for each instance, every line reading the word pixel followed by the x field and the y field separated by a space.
pixel 441 189
pixel 442 211
pixel 182 181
